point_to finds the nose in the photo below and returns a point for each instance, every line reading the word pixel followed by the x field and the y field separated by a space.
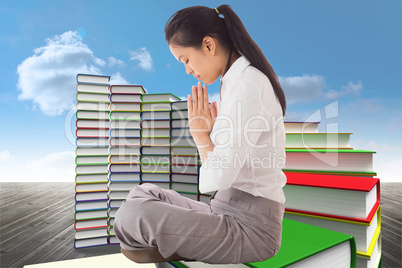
pixel 188 69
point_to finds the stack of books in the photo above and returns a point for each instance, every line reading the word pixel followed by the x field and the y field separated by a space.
pixel 125 146
pixel 331 185
pixel 156 138
pixel 184 154
pixel 91 207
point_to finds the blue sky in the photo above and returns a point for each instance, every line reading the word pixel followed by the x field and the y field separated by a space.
pixel 342 54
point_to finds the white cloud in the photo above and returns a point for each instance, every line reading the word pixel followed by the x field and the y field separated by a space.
pixel 5 156
pixel 118 79
pixel 309 88
pixel 58 166
pixel 142 55
pixel 48 77
pixel 112 61
pixel 304 88
pixel 350 89
pixel 367 106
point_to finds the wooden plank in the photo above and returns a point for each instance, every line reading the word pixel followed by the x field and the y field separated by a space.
pixel 46 198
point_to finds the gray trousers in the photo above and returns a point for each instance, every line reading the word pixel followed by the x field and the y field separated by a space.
pixel 236 227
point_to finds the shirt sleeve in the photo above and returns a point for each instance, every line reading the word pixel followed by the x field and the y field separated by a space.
pixel 242 119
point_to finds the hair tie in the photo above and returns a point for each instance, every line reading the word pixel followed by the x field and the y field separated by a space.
pixel 217 11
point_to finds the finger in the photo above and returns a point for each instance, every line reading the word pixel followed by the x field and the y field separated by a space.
pixel 200 96
pixel 214 110
pixel 189 105
pixel 206 101
pixel 195 99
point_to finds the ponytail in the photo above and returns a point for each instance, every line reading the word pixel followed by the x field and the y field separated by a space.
pixel 188 27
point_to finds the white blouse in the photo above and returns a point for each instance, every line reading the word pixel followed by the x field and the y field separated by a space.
pixel 248 135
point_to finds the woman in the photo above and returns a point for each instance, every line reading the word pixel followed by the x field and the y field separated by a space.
pixel 241 146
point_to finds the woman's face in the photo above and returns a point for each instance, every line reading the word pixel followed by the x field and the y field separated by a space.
pixel 201 63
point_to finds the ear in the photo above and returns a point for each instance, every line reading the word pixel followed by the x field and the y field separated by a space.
pixel 209 45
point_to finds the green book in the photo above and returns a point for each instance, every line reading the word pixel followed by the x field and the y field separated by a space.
pixel 159 97
pixel 304 244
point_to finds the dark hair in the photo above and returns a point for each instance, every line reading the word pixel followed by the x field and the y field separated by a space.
pixel 189 26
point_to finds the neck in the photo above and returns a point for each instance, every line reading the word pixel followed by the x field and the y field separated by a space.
pixel 232 57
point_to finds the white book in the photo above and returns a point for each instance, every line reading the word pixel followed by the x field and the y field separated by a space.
pixel 160 97
pixel 155 133
pixel 182 169
pixel 125 115
pixel 155 177
pixel 125 159
pixel 91 187
pixel 318 140
pixel 91 169
pixel 91 151
pixel 125 141
pixel 158 115
pixel 181 114
pixel 125 98
pixel 93 88
pixel 184 160
pixel 94 214
pixel 330 160
pixel 91 205
pixel 183 142
pixel 116 195
pixel 116 132
pixel 185 178
pixel 91 178
pixel 156 107
pixel 127 89
pixel 90 132
pixel 90 224
pixel 115 204
pixel 123 186
pixel 301 127
pixel 97 232
pixel 155 159
pixel 113 177
pixel 92 159
pixel 125 106
pixel 155 150
pixel 193 197
pixel 92 106
pixel 184 151
pixel 91 142
pixel 90 78
pixel 120 150
pixel 179 105
pixel 155 141
pixel 154 124
pixel 112 212
pixel 181 132
pixel 180 123
pixel 163 185
pixel 91 123
pixel 98 115
pixel 151 168
pixel 125 168
pixel 91 196
pixel 95 97
pixel 126 124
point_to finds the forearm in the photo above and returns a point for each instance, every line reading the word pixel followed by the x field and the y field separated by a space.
pixel 204 145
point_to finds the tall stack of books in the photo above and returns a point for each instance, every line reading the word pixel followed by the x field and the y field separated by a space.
pixel 331 185
pixel 125 146
pixel 184 154
pixel 155 138
pixel 91 207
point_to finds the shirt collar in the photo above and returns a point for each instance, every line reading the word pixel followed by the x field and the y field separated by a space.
pixel 236 69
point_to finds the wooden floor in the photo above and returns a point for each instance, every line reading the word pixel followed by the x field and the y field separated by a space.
pixel 37 224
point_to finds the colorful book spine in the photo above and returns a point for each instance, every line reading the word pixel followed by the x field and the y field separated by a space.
pixel 91 206
pixel 125 147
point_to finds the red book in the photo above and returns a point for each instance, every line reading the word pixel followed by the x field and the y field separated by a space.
pixel 343 197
